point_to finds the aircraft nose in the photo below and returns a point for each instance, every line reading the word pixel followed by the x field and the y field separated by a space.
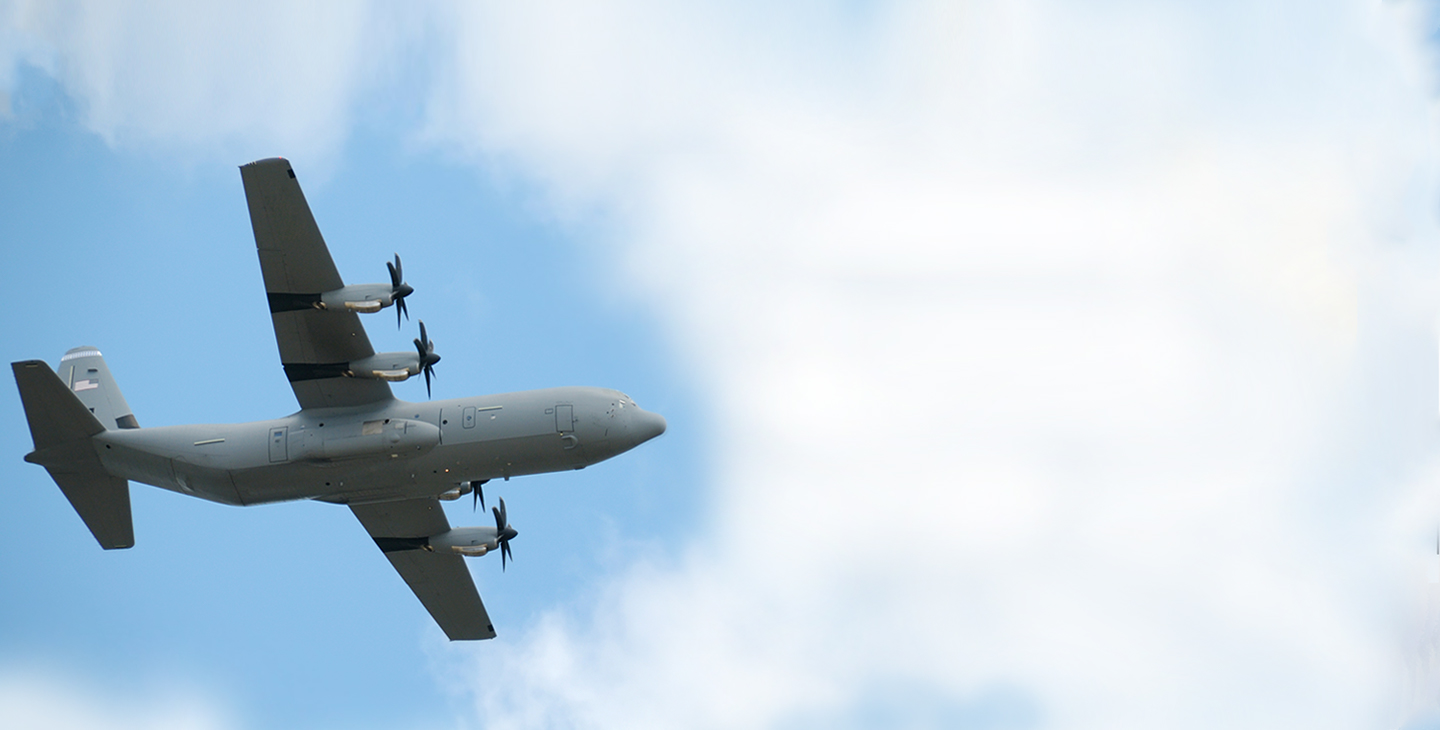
pixel 647 426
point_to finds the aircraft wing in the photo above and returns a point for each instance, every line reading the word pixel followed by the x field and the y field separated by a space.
pixel 441 581
pixel 315 344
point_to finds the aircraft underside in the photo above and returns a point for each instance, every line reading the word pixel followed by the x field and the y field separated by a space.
pixel 329 457
pixel 352 442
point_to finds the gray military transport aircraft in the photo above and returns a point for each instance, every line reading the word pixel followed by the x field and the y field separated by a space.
pixel 351 443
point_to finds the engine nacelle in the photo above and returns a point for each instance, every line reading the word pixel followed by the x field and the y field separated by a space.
pixel 471 542
pixel 396 438
pixel 391 366
pixel 363 298
pixel 456 493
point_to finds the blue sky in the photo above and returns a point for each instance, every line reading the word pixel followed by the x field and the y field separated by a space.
pixel 1026 364
pixel 288 614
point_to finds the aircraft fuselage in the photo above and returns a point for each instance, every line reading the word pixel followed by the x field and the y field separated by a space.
pixel 385 451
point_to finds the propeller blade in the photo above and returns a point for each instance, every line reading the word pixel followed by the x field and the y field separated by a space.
pixel 398 289
pixel 504 533
pixel 478 497
pixel 428 358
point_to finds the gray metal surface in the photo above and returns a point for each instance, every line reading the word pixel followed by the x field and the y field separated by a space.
pixel 87 376
pixel 61 428
pixel 351 443
pixel 442 582
pixel 296 265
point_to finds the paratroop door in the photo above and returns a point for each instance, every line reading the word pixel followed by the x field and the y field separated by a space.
pixel 278 443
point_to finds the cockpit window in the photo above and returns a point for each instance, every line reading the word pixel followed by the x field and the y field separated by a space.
pixel 617 406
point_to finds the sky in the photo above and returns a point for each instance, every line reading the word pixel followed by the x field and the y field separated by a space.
pixel 1027 364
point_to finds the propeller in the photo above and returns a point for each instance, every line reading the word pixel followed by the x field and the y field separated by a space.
pixel 504 533
pixel 428 358
pixel 398 289
pixel 478 495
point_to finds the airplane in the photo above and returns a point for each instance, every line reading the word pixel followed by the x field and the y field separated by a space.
pixel 352 442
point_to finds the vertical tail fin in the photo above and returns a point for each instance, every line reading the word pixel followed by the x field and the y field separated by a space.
pixel 88 377
pixel 61 425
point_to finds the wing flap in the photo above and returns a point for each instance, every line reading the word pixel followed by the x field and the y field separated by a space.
pixel 441 582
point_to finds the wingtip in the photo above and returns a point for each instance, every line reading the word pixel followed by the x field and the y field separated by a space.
pixel 266 161
pixel 488 634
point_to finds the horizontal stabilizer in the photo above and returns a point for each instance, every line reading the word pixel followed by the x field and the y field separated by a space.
pixel 61 427
pixel 102 501
pixel 55 414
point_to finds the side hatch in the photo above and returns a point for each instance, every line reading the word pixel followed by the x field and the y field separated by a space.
pixel 278 444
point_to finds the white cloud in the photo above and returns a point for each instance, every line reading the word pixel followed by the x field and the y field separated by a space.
pixel 32 701
pixel 1064 356
pixel 208 78
pixel 1037 334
